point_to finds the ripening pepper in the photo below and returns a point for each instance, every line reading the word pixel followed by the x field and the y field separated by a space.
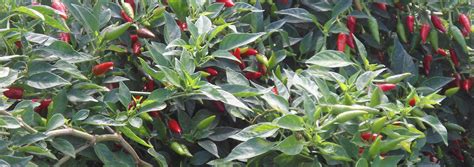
pixel 60 7
pixel 387 87
pixel 43 104
pixel 64 36
pixel 14 93
pixel 351 23
pixel 136 48
pixel 412 102
pixel 381 6
pixel 367 136
pixel 182 25
pixel 102 68
pixel 437 23
pixel 441 52
pixel 253 75
pixel 341 42
pixel 125 16
pixel 173 125
pixel 410 23
pixel 454 57
pixel 145 33
pixel 350 40
pixel 227 3
pixel 466 84
pixel 464 21
pixel 427 63
pixel 262 59
pixel 424 31
pixel 128 9
pixel 132 3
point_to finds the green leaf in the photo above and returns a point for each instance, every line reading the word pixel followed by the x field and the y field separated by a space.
pixel 59 103
pixel 100 120
pixel 362 162
pixel 262 130
pixel 249 149
pixel 402 62
pixel 131 135
pixel 180 7
pixel 55 121
pixel 234 40
pixel 341 6
pixel 9 122
pixel 277 102
pixel 209 146
pixel 37 151
pixel 64 146
pixel 203 25
pixel 30 12
pixel 11 77
pixel 290 145
pixel 16 161
pixel 158 157
pixel 48 14
pixel 172 31
pixel 124 95
pixel 291 122
pixel 436 82
pixel 436 125
pixel 387 160
pixel 225 55
pixel 63 51
pixel 85 17
pixel 46 80
pixel 330 59
pixel 80 115
pixel 298 13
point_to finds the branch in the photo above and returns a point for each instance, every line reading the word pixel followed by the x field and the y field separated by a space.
pixel 129 149
pixel 67 157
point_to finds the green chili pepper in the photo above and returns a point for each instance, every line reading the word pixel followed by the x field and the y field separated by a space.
pixel 455 127
pixel 113 32
pixel 401 31
pixel 456 33
pixel 146 117
pixel 206 122
pixel 180 149
pixel 262 59
pixel 338 108
pixel 346 116
pixel 374 28
pixel 451 91
pixel 391 145
pixel 379 124
pixel 375 147
pixel 434 39
pixel 415 40
pixel 397 78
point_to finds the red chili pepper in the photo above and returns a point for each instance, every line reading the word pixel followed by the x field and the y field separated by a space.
pixel 381 6
pixel 154 114
pixel 412 102
pixel 454 57
pixel 386 87
pixel 136 48
pixel 18 44
pixel 250 52
pixel 457 153
pixel 361 150
pixel 284 2
pixel 411 23
pixel 134 38
pixel 64 36
pixel 59 6
pixel 102 68
pixel 211 71
pixel 464 32
pixel 424 31
pixel 227 3
pixel 441 52
pixel 14 93
pixel 275 90
pixel 466 84
pixel 125 16
pixel 149 85
pixel 341 42
pixel 219 106
pixel 437 23
pixel 464 21
pixel 253 75
pixel 236 54
pixel 133 103
pixel 112 85
pixel 367 136
pixel 350 41
pixel 145 33
pixel 351 23
pixel 174 126
pixel 182 25
pixel 457 79
pixel 43 104
pixel 427 63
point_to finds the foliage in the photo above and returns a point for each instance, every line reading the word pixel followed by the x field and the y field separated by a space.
pixel 258 82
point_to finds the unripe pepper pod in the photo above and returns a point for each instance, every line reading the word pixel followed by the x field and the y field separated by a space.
pixel 348 115
pixel 102 68
pixel 145 33
pixel 412 102
pixel 464 21
pixel 263 59
pixel 454 57
pixel 386 87
pixel 227 3
pixel 410 23
pixel 113 32
pixel 351 23
pixel 401 31
pixel 341 42
pixel 253 75
pixel 14 93
pixel 125 16
pixel 427 63
pixel 173 125
pixel 424 31
pixel 437 23
pixel 441 52
pixel 374 29
pixel 211 71
pixel 64 36
pixel 132 3
pixel 205 122
pixel 178 149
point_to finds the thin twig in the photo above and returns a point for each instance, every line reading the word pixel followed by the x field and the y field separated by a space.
pixel 67 157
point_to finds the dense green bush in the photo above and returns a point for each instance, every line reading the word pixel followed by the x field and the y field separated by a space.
pixel 257 83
